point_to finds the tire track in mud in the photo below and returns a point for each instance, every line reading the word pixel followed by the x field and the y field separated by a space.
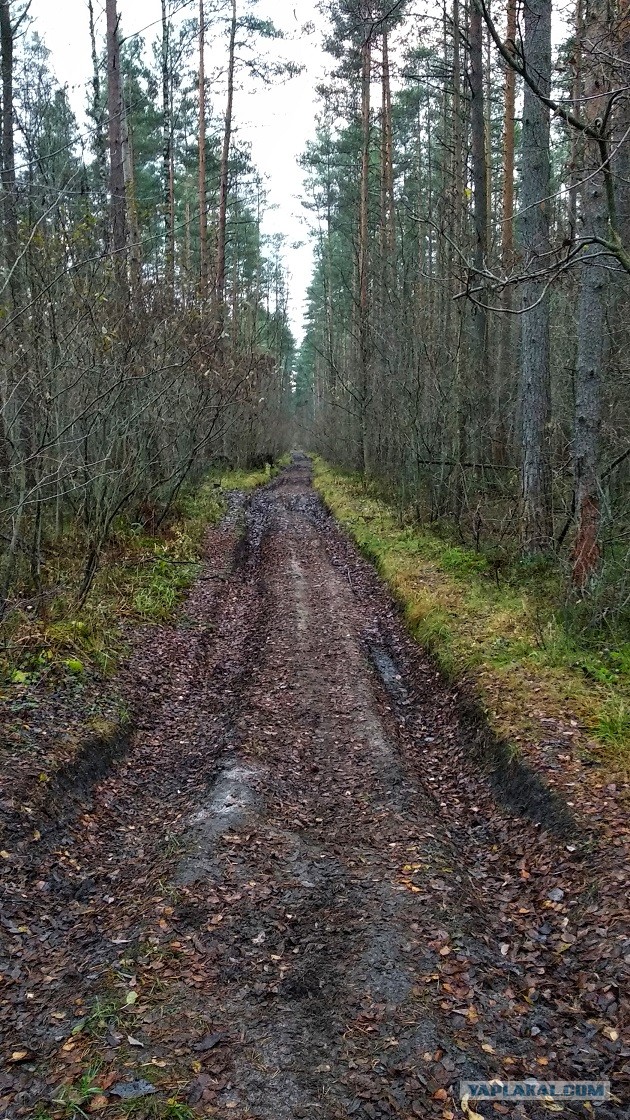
pixel 96 871
pixel 326 981
pixel 344 942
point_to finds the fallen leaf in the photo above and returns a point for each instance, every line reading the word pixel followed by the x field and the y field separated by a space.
pixel 132 997
pixel 20 1056
pixel 97 1103
pixel 467 1110
pixel 134 1041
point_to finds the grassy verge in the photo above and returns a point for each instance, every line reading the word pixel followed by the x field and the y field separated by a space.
pixel 504 635
pixel 141 578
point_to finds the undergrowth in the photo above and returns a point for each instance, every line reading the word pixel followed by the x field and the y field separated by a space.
pixel 505 625
pixel 141 578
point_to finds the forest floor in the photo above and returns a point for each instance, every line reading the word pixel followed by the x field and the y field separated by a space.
pixel 306 885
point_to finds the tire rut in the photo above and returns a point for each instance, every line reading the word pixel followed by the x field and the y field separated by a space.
pixel 316 939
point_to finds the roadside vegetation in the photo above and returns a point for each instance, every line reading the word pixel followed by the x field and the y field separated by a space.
pixel 143 573
pixel 507 625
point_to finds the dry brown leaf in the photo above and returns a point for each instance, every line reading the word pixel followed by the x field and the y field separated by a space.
pixel 98 1103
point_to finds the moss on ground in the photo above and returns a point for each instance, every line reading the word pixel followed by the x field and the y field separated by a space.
pixel 506 636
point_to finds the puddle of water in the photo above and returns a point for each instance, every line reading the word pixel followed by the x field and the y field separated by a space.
pixel 389 673
pixel 233 798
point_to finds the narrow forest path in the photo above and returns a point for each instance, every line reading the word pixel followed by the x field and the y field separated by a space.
pixel 296 896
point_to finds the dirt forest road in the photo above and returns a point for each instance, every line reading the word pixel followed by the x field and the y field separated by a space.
pixel 297 894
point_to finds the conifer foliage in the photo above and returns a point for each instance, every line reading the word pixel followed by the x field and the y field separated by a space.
pixel 467 328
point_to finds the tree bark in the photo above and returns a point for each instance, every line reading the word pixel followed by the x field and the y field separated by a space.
pixel 535 392
pixel 479 365
pixel 203 210
pixel 9 208
pixel 224 178
pixel 167 155
pixel 135 253
pixel 478 138
pixel 591 318
pixel 364 279
pixel 460 371
pixel 100 143
pixel 116 154
pixel 506 364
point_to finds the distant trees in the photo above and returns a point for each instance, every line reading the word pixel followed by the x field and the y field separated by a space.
pixel 117 385
pixel 495 371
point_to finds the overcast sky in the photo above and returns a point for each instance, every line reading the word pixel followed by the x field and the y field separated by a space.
pixel 277 121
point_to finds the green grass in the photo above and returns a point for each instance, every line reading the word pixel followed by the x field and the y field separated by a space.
pixel 502 624
pixel 73 1100
pixel 141 579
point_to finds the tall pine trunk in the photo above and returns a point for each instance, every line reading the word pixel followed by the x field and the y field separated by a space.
pixel 535 390
pixel 479 373
pixel 100 143
pixel 364 279
pixel 9 201
pixel 506 365
pixel 167 156
pixel 591 317
pixel 460 364
pixel 203 209
pixel 224 178
pixel 116 153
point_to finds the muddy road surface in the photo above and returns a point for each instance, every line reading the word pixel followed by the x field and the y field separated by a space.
pixel 300 893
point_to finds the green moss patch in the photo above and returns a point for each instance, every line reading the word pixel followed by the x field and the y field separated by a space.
pixel 506 635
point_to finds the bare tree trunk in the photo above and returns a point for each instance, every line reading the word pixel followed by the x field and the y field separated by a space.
pixel 100 143
pixel 132 206
pixel 203 211
pixel 364 280
pixel 387 159
pixel 505 364
pixel 460 380
pixel 478 137
pixel 224 178
pixel 116 155
pixel 9 208
pixel 535 394
pixel 577 140
pixel 622 124
pixel 591 320
pixel 387 339
pixel 167 155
